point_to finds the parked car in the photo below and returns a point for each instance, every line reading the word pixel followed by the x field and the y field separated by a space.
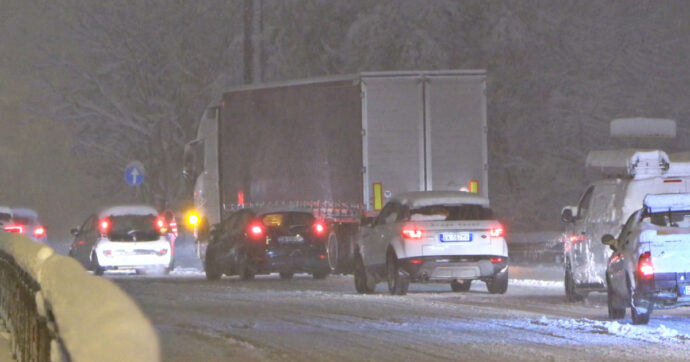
pixel 626 177
pixel 25 221
pixel 129 237
pixel 247 243
pixel 441 236
pixel 649 265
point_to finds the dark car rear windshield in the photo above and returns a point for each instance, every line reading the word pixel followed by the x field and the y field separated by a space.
pixel 4 217
pixel 450 213
pixel 287 219
pixel 133 228
pixel 674 219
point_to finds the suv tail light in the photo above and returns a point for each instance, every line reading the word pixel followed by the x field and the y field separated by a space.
pixel 161 225
pixel 644 265
pixel 496 232
pixel 14 229
pixel 104 226
pixel 412 234
pixel 39 231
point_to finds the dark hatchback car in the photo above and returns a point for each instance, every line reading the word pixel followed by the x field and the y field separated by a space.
pixel 248 243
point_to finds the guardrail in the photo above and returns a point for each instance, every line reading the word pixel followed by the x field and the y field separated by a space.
pixel 56 311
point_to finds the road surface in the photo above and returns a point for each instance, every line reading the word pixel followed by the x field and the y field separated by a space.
pixel 305 319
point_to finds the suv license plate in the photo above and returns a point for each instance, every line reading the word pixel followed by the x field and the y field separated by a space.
pixel 456 237
pixel 290 239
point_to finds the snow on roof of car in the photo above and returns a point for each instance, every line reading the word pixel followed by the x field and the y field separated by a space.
pixel 667 202
pixel 5 210
pixel 427 198
pixel 128 210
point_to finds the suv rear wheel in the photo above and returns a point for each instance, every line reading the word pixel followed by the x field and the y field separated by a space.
pixel 499 283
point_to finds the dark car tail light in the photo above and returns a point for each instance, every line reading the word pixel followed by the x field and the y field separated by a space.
pixel 319 228
pixel 39 231
pixel 19 229
pixel 256 230
pixel 644 265
pixel 412 234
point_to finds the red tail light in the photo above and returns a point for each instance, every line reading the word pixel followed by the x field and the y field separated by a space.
pixel 319 228
pixel 644 265
pixel 496 232
pixel 162 252
pixel 412 234
pixel 161 225
pixel 256 230
pixel 19 229
pixel 39 232
pixel 104 226
pixel 496 259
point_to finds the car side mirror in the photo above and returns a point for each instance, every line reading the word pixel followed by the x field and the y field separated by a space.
pixel 74 231
pixel 568 214
pixel 367 221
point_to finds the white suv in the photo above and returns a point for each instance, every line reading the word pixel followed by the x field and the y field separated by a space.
pixel 432 236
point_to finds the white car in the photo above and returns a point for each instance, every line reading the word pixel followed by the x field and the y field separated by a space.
pixel 123 237
pixel 650 264
pixel 432 236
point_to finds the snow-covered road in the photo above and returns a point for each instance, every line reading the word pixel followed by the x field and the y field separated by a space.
pixel 305 319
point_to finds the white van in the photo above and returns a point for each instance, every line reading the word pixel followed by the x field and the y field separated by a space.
pixel 605 205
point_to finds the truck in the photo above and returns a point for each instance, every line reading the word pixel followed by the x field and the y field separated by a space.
pixel 338 146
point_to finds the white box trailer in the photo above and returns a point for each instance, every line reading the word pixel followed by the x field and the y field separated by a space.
pixel 341 145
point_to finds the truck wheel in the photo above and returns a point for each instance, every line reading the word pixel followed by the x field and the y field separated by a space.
pixel 460 285
pixel 570 294
pixel 397 281
pixel 332 251
pixel 499 284
pixel 364 284
pixel 212 273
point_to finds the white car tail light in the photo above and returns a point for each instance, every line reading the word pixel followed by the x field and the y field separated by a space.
pixel 412 234
pixel 644 265
pixel 496 232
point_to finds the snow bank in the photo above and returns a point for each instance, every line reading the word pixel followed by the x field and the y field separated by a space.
pixel 95 319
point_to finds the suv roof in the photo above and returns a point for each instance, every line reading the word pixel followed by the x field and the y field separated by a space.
pixel 427 198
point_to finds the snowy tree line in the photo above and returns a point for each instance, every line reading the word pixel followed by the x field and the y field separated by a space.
pixel 135 76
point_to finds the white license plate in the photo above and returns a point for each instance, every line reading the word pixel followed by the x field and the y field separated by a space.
pixel 456 237
pixel 290 239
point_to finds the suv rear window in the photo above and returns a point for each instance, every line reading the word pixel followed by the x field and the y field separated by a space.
pixel 287 219
pixel 133 228
pixel 450 213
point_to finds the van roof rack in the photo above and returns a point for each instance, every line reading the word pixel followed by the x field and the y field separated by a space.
pixel 630 163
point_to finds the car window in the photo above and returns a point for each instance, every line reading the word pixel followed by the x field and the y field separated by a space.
pixel 133 227
pixel 601 208
pixel 450 213
pixel 287 219
pixel 634 218
pixel 4 217
pixel 673 219
pixel 388 214
pixel 242 218
pixel 583 206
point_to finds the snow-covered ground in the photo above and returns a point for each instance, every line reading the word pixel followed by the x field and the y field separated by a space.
pixel 305 319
